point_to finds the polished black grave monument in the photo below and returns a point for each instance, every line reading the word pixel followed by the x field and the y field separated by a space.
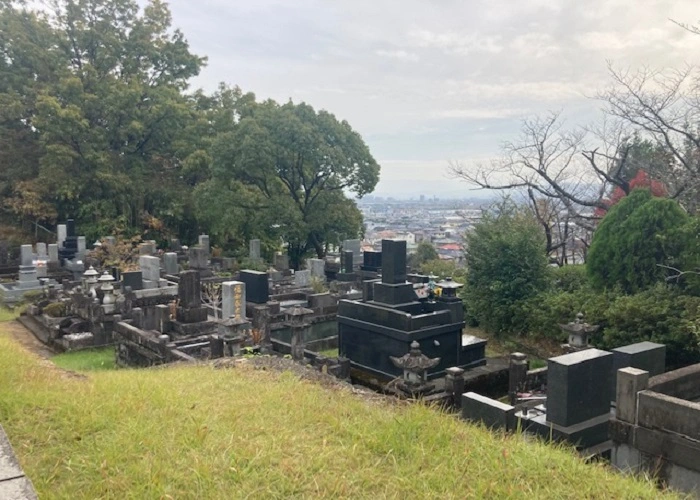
pixel 392 316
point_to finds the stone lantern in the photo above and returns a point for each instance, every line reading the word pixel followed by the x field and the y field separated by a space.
pixel 296 320
pixel 90 282
pixel 415 366
pixel 449 289
pixel 108 300
pixel 579 333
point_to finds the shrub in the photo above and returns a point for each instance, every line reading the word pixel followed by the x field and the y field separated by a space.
pixel 547 310
pixel 569 278
pixel 659 314
pixel 56 309
pixel 318 285
pixel 507 265
pixel 633 242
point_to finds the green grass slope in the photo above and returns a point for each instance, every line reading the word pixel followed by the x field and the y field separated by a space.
pixel 87 360
pixel 199 432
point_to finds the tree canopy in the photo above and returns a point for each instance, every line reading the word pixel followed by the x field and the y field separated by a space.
pixel 506 266
pixel 297 164
pixel 97 123
pixel 639 241
pixel 96 88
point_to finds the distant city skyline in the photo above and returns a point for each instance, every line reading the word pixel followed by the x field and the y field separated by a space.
pixel 429 82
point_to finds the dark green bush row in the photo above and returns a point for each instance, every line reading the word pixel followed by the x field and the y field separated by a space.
pixel 659 314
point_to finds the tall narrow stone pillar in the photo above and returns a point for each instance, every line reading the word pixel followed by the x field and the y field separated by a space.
pixel 517 374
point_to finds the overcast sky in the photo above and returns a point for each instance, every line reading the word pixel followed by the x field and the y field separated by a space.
pixel 425 82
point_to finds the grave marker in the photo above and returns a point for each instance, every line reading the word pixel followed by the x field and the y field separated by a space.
pixel 233 300
pixel 170 263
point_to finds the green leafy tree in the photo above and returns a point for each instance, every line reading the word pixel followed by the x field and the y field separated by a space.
pixel 300 163
pixel 425 252
pixel 506 265
pixel 444 269
pixel 98 87
pixel 638 242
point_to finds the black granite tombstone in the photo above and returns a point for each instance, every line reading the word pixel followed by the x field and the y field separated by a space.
pixel 391 317
pixel 189 292
pixel 3 253
pixel 372 261
pixel 578 386
pixel 393 261
pixel 133 279
pixel 347 261
pixel 70 245
pixel 256 286
pixel 647 356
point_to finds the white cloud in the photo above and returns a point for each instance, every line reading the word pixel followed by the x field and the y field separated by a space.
pixel 480 113
pixel 402 55
pixel 432 80
pixel 536 45
pixel 457 42
pixel 537 90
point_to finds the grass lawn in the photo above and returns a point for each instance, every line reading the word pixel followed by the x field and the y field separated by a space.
pixel 7 315
pixel 199 432
pixel 87 360
pixel 329 353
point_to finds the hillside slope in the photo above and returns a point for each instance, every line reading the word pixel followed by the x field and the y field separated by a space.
pixel 201 432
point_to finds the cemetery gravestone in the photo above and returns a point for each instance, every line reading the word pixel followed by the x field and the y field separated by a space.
pixel 53 253
pixel 256 286
pixel 317 267
pixel 354 246
pixel 647 356
pixel 189 291
pixel 170 263
pixel 347 261
pixel 198 258
pixel 41 252
pixel 254 249
pixel 393 261
pixel 578 386
pixel 82 245
pixel 281 262
pixel 61 234
pixel 204 243
pixel 372 261
pixel 3 253
pixel 132 279
pixel 26 255
pixel 233 300
pixel 150 270
pixel 302 277
pixel 69 248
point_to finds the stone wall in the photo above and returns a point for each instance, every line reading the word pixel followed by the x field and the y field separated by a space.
pixel 656 428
